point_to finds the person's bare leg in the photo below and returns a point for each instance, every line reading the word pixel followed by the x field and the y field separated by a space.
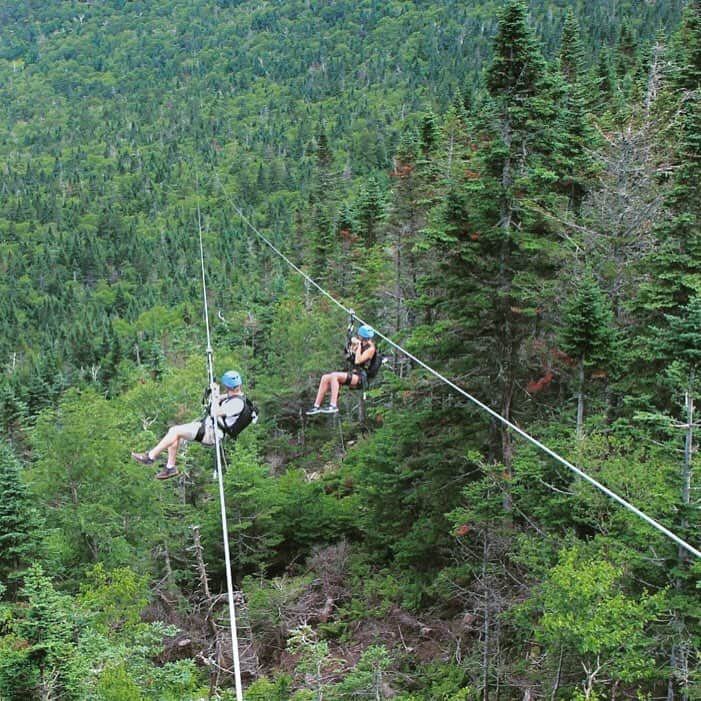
pixel 173 453
pixel 337 379
pixel 170 440
pixel 323 388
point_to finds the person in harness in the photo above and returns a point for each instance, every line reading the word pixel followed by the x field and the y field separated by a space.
pixel 360 353
pixel 232 410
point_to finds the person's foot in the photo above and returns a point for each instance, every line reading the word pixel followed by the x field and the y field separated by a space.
pixel 314 410
pixel 330 409
pixel 143 458
pixel 167 472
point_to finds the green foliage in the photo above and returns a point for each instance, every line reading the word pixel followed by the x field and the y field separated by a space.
pixel 404 492
pixel 18 521
pixel 264 689
pixel 587 330
pixel 585 613
pixel 253 513
pixel 367 678
pixel 115 600
pixel 445 168
pixel 116 683
pixel 99 499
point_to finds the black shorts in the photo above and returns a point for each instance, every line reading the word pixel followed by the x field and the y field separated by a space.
pixel 360 373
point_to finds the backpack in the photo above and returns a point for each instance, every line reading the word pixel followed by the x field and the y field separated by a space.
pixel 375 364
pixel 248 416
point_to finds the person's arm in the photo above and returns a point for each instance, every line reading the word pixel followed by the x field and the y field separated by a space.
pixel 362 356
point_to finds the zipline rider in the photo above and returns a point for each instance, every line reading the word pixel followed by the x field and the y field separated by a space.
pixel 233 412
pixel 360 352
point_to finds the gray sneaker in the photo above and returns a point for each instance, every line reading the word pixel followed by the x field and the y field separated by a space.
pixel 330 409
pixel 313 410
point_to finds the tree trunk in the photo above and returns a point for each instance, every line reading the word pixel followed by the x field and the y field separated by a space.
pixel 580 401
pixel 487 622
pixel 676 659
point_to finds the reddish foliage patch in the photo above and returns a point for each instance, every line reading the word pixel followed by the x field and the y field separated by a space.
pixel 535 386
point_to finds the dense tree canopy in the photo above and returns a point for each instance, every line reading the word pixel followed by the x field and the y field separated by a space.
pixel 508 190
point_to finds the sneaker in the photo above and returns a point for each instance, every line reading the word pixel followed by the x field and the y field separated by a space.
pixel 314 410
pixel 330 409
pixel 143 458
pixel 167 473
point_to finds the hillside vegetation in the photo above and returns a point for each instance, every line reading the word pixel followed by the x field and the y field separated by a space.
pixel 508 191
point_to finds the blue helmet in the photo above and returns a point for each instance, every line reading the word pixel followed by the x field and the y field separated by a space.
pixel 231 379
pixel 366 331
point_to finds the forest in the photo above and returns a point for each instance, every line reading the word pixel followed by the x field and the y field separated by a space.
pixel 508 192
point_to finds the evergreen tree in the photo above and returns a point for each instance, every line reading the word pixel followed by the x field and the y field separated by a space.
pixel 18 524
pixel 429 132
pixel 516 244
pixel 370 210
pixel 405 221
pixel 573 162
pixel 587 335
pixel 572 54
pixel 675 265
pixel 323 213
pixel 679 344
pixel 686 51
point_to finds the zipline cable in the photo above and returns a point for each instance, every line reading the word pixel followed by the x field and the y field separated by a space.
pixel 222 504
pixel 534 441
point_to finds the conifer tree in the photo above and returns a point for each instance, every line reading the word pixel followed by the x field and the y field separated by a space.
pixel 514 244
pixel 687 49
pixel 429 132
pixel 370 211
pixel 17 520
pixel 323 207
pixel 573 162
pixel 679 343
pixel 587 334
pixel 675 265
pixel 572 54
pixel 405 221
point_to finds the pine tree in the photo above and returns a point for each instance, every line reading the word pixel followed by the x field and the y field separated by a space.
pixel 405 221
pixel 679 344
pixel 515 243
pixel 17 520
pixel 587 335
pixel 429 132
pixel 571 50
pixel 323 212
pixel 573 162
pixel 370 211
pixel 687 49
pixel 675 265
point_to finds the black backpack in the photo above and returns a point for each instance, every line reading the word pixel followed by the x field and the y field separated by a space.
pixel 248 415
pixel 375 364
